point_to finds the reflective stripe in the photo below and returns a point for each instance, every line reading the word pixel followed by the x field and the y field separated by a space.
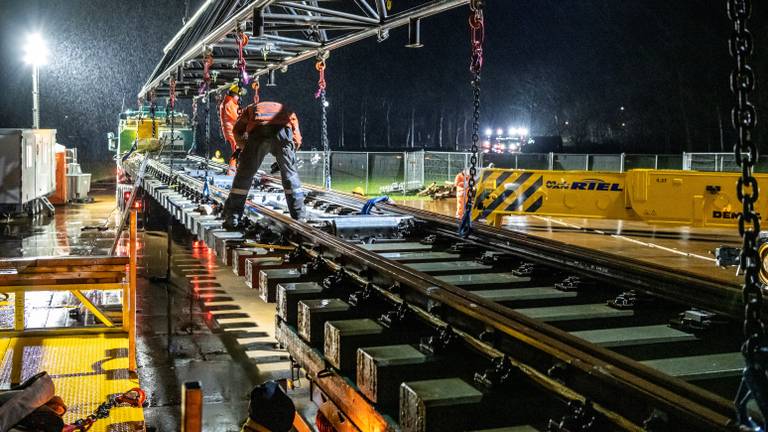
pixel 238 191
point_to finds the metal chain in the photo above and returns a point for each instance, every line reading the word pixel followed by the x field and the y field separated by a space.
pixel 152 113
pixel 477 33
pixel 207 111
pixel 242 42
pixel 194 126
pixel 207 63
pixel 134 397
pixel 172 115
pixel 321 86
pixel 744 118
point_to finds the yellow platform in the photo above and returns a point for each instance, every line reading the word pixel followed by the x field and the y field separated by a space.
pixel 85 370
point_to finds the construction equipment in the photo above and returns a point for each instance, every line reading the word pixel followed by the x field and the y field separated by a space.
pixel 134 131
pixel 654 196
pixel 27 170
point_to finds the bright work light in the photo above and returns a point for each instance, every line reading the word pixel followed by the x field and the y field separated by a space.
pixel 35 51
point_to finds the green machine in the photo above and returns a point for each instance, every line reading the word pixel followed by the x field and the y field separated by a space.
pixel 135 128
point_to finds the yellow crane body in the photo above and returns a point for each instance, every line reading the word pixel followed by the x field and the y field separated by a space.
pixel 672 197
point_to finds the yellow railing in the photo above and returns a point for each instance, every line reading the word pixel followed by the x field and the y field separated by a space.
pixel 75 274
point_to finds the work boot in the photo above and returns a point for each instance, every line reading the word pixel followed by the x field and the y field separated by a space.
pixel 231 221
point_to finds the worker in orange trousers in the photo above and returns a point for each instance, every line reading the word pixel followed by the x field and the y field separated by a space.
pixel 462 191
pixel 229 111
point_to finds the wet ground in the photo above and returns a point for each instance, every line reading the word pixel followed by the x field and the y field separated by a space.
pixel 204 325
pixel 75 229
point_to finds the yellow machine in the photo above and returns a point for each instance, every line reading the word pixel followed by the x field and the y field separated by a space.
pixel 705 199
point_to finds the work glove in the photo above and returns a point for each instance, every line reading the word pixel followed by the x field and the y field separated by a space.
pixel 236 154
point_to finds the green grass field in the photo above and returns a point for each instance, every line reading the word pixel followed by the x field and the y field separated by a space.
pixel 373 189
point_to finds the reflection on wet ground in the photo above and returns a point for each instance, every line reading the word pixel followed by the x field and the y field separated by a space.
pixel 207 327
pixel 75 229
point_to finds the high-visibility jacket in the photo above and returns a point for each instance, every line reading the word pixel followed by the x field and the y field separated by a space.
pixel 461 182
pixel 228 118
pixel 266 114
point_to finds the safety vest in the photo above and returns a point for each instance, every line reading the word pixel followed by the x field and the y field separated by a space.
pixel 268 113
pixel 228 117
pixel 461 181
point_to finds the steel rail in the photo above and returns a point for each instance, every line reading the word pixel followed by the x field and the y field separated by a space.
pixel 679 285
pixel 693 405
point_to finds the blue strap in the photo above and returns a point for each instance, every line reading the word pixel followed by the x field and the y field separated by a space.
pixel 465 225
pixel 371 203
pixel 206 191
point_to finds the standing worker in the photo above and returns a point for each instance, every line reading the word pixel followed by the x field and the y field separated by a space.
pixel 228 114
pixel 271 128
pixel 462 191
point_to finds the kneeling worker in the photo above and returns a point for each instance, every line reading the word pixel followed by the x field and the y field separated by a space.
pixel 271 128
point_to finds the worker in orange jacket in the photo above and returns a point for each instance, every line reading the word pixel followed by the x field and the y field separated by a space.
pixel 228 114
pixel 265 127
pixel 462 191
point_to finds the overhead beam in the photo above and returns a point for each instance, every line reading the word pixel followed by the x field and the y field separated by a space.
pixel 197 48
pixel 381 8
pixel 398 20
pixel 331 12
pixel 365 7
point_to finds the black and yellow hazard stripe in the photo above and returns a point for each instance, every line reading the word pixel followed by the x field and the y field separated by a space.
pixel 510 197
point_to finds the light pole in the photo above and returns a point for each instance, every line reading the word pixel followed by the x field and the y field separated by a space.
pixel 35 54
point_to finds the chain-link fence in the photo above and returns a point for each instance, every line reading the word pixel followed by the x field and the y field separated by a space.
pixel 403 173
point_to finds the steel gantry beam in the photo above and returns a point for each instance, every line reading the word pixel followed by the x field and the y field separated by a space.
pixel 294 31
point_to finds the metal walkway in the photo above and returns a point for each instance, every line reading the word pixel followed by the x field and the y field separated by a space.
pixel 85 369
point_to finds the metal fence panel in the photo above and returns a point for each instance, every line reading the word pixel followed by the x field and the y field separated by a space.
pixel 570 162
pixel 456 163
pixel 639 161
pixel 437 167
pixel 386 172
pixel 311 167
pixel 414 170
pixel 672 162
pixel 604 163
pixel 349 170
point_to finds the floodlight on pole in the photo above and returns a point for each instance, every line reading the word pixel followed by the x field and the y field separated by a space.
pixel 35 51
pixel 35 54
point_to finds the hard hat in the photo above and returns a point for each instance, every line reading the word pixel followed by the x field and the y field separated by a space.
pixel 358 191
pixel 236 90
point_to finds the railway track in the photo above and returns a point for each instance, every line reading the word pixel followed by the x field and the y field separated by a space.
pixel 403 325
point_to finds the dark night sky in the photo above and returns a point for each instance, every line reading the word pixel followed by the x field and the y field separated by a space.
pixel 547 62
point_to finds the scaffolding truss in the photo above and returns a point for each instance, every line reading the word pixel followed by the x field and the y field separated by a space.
pixel 280 33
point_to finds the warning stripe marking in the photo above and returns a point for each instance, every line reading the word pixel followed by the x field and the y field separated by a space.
pixel 535 206
pixel 508 189
pixel 518 203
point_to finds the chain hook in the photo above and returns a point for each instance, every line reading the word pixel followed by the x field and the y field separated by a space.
pixel 477 36
pixel 242 41
pixel 754 381
pixel 320 65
